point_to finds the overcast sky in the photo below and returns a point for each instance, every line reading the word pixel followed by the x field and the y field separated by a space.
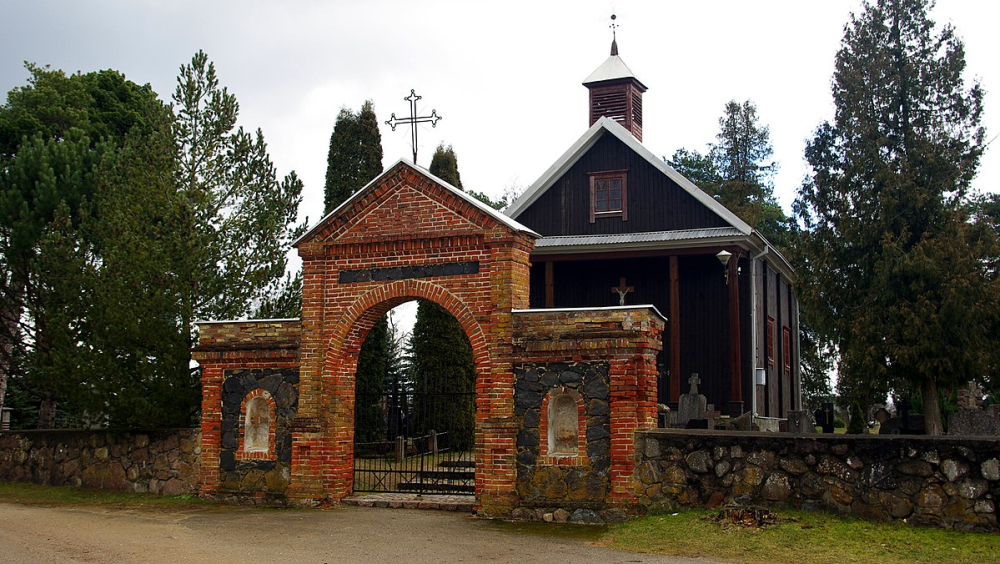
pixel 505 76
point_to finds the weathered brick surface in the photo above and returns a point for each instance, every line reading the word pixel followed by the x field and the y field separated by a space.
pixel 156 461
pixel 940 481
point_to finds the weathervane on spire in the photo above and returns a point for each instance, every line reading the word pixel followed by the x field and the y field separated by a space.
pixel 413 120
pixel 614 35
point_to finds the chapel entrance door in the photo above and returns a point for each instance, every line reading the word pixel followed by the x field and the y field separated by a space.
pixel 416 436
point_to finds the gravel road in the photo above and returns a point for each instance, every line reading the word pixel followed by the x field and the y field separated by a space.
pixel 70 534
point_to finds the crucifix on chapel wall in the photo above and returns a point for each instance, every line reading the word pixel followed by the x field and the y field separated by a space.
pixel 621 290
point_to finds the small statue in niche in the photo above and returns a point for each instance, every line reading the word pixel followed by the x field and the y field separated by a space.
pixel 563 424
pixel 257 425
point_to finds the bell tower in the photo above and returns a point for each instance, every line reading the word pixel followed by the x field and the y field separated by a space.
pixel 615 92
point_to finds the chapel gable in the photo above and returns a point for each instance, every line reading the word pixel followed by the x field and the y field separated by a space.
pixel 611 188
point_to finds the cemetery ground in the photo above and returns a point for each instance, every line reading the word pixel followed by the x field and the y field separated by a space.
pixel 61 524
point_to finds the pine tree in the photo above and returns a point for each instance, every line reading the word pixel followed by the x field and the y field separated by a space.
pixel 122 223
pixel 285 303
pixel 893 270
pixel 53 134
pixel 742 156
pixel 355 155
pixel 138 344
pixel 46 188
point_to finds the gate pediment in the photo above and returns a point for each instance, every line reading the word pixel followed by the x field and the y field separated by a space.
pixel 406 203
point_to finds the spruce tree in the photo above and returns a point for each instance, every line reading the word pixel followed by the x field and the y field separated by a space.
pixel 893 270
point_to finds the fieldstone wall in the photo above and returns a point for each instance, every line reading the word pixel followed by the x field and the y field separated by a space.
pixel 561 482
pixel 271 473
pixel 161 461
pixel 940 481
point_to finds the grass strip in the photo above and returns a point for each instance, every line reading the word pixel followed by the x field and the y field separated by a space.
pixel 801 538
pixel 31 494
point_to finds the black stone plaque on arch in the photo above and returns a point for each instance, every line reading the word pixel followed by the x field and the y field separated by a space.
pixel 389 274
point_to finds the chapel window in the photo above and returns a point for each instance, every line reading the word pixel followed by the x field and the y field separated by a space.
pixel 608 195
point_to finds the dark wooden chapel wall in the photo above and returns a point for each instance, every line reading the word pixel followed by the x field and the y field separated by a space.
pixel 779 304
pixel 655 203
pixel 703 309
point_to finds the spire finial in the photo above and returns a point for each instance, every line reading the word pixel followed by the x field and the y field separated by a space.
pixel 614 37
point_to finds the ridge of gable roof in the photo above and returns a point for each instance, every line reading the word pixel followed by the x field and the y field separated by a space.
pixel 506 220
pixel 586 141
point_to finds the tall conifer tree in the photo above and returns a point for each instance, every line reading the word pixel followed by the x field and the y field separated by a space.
pixel 54 134
pixel 355 155
pixel 893 270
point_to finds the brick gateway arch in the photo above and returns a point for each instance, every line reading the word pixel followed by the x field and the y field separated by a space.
pixel 409 235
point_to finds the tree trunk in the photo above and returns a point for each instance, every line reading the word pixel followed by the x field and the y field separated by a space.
pixel 47 413
pixel 932 407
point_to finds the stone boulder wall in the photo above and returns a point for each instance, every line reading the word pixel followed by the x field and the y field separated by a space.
pixel 939 481
pixel 271 475
pixel 577 484
pixel 160 461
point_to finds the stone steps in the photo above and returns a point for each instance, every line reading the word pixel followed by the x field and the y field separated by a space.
pixel 457 503
pixel 446 487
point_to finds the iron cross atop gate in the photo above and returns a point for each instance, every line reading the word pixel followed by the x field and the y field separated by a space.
pixel 413 120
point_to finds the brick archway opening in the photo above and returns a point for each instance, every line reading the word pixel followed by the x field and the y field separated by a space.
pixel 340 369
pixel 414 425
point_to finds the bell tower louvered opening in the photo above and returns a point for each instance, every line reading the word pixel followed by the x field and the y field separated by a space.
pixel 616 93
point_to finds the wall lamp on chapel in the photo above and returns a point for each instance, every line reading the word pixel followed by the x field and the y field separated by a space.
pixel 724 257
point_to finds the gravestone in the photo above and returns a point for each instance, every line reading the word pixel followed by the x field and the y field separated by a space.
pixel 970 419
pixel 825 416
pixel 692 405
pixel 970 397
pixel 800 422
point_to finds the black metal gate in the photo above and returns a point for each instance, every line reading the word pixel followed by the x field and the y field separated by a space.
pixel 416 437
